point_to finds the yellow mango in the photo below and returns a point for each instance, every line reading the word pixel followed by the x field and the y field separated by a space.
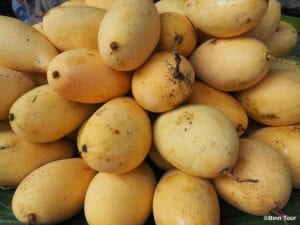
pixel 117 137
pixel 275 100
pixel 286 140
pixel 203 94
pixel 24 48
pixel 19 157
pixel 42 115
pixel 177 6
pixel 180 198
pixel 128 34
pixel 177 34
pixel 52 193
pixel 80 75
pixel 13 84
pixel 163 82
pixel 102 4
pixel 260 162
pixel 73 27
pixel 120 199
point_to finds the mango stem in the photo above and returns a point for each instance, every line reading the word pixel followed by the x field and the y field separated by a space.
pixel 285 61
pixel 31 218
pixel 278 212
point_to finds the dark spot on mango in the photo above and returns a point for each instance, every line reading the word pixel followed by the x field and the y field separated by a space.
pixel 55 74
pixel 213 41
pixel 178 39
pixel 31 218
pixel 295 128
pixel 35 97
pixel 116 131
pixel 114 46
pixel 11 117
pixel 240 128
pixel 271 116
pixel 177 73
pixel 4 147
pixel 248 20
pixel 84 148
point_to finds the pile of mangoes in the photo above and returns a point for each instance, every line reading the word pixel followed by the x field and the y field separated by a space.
pixel 99 86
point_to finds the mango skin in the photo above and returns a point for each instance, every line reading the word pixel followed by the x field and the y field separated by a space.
pixel 177 6
pixel 283 41
pixel 80 75
pixel 42 115
pixel 257 161
pixel 267 26
pixel 177 34
pixel 13 84
pixel 125 48
pixel 63 28
pixel 117 137
pixel 19 157
pixel 163 82
pixel 203 94
pixel 286 140
pixel 102 4
pixel 191 137
pixel 225 19
pixel 180 198
pixel 120 199
pixel 24 48
pixel 52 193
pixel 220 62
pixel 275 100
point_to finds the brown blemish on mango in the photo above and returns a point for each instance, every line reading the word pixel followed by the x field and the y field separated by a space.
pixel 239 128
pixel 84 148
pixel 31 218
pixel 213 41
pixel 178 39
pixel 116 131
pixel 271 116
pixel 114 46
pixel 11 117
pixel 4 147
pixel 177 73
pixel 55 74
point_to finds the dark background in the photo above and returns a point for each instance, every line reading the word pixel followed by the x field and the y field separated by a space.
pixel 5 8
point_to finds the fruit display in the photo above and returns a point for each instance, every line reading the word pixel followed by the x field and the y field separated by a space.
pixel 142 112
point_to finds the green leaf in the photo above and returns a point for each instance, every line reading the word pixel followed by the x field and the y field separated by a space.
pixel 229 215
